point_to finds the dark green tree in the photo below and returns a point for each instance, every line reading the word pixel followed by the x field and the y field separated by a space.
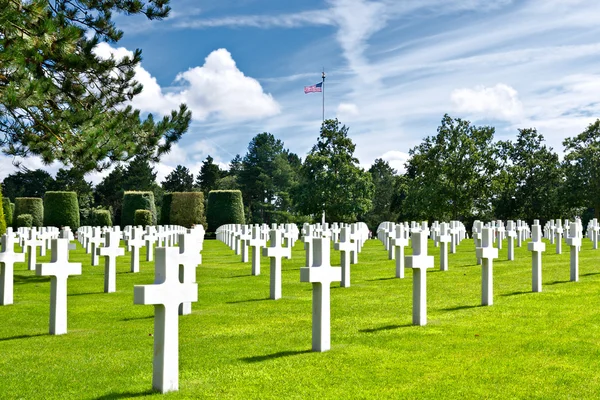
pixel 179 180
pixel 73 180
pixel 108 194
pixel 208 177
pixel 384 178
pixel 331 179
pixel 60 100
pixel 27 183
pixel 581 161
pixel 139 175
pixel 450 174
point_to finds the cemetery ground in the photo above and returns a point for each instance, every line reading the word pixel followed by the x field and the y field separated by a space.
pixel 239 344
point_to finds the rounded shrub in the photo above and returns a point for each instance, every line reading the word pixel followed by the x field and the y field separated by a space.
pixel 187 209
pixel 224 207
pixel 8 211
pixel 101 218
pixel 133 201
pixel 61 209
pixel 24 221
pixel 143 218
pixel 30 205
pixel 165 210
pixel 3 215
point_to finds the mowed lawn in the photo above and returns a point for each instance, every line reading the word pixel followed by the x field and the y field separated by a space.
pixel 239 344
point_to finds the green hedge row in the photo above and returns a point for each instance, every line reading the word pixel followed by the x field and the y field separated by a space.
pixel 2 215
pixel 133 201
pixel 24 221
pixel 224 207
pixel 143 218
pixel 101 218
pixel 8 211
pixel 30 205
pixel 61 209
pixel 187 209
pixel 165 210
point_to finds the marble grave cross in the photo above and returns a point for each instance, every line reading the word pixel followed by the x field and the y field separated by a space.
pixel 276 251
pixel 419 261
pixel 487 252
pixel 574 242
pixel 345 247
pixel 110 252
pixel 135 242
pixel 189 259
pixel 400 241
pixel 8 258
pixel 536 246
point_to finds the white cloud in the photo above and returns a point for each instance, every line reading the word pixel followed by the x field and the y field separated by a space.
pixel 396 159
pixel 346 111
pixel 498 102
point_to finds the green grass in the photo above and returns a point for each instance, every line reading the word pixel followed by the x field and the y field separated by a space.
pixel 239 344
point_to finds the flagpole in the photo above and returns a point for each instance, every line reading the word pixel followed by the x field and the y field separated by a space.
pixel 323 90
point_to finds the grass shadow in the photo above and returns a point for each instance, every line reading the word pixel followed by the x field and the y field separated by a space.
pixel 461 308
pixel 84 294
pixel 126 395
pixel 238 276
pixel 557 282
pixel 381 279
pixel 25 279
pixel 590 274
pixel 274 356
pixel 514 293
pixel 384 328
pixel 22 337
pixel 137 318
pixel 246 301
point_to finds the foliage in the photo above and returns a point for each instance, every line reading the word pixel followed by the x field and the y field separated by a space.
pixel 28 183
pixel 165 214
pixel 109 193
pixel 209 175
pixel 101 218
pixel 3 221
pixel 30 205
pixel 179 180
pixel 72 180
pixel 142 218
pixel 224 207
pixel 384 178
pixel 8 210
pixel 228 182
pixel 61 209
pixel 24 221
pixel 331 178
pixel 450 174
pixel 133 201
pixel 62 101
pixel 187 209
pixel 581 161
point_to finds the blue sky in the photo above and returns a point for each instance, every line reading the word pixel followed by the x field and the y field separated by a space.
pixel 393 69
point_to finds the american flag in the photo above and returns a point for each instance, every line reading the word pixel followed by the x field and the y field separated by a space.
pixel 314 88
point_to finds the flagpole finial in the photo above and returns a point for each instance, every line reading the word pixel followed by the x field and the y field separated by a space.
pixel 323 75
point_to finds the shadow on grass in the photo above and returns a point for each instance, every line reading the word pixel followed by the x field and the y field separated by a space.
pixel 557 282
pixel 384 328
pixel 23 337
pixel 514 293
pixel 381 279
pixel 590 274
pixel 238 276
pixel 137 318
pixel 126 395
pixel 25 279
pixel 274 356
pixel 246 301
pixel 460 308
pixel 84 294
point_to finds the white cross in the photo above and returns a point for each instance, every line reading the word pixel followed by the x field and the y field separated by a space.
pixel 321 274
pixel 487 252
pixel 95 239
pixel 244 238
pixel 110 252
pixel 150 238
pixel 256 243
pixel 189 259
pixel 444 238
pixel 276 252
pixel 135 242
pixel 166 294
pixel 31 244
pixel 419 261
pixel 307 239
pixel 558 232
pixel 59 269
pixel 536 246
pixel 510 235
pixel 345 247
pixel 8 258
pixel 574 242
pixel 400 241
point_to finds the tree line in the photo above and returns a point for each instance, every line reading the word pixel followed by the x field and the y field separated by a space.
pixel 460 173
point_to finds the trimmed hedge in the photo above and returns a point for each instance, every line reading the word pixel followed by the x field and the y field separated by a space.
pixel 8 211
pixel 2 215
pixel 24 221
pixel 187 209
pixel 224 207
pixel 61 209
pixel 165 210
pixel 101 218
pixel 143 218
pixel 30 205
pixel 133 201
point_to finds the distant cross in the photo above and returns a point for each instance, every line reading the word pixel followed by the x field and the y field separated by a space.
pixel 487 252
pixel 321 274
pixel 31 244
pixel 574 242
pixel 400 242
pixel 510 235
pixel 276 252
pixel 134 243
pixel 444 238
pixel 95 239
pixel 8 258
pixel 345 247
pixel 244 238
pixel 59 269
pixel 256 243
pixel 166 294
pixel 110 252
pixel 307 239
pixel 536 246
pixel 149 239
pixel 189 259
pixel 419 261
pixel 558 232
